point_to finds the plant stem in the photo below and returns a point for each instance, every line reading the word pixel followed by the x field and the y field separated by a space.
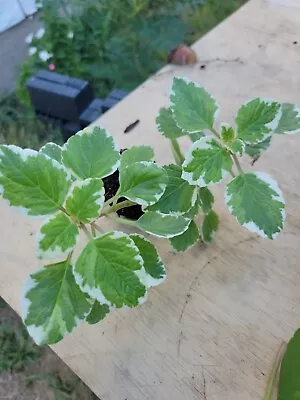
pixel 112 200
pixel 96 227
pixel 274 372
pixel 215 133
pixel 237 163
pixel 85 230
pixel 178 156
pixel 116 207
pixel 93 229
pixel 121 220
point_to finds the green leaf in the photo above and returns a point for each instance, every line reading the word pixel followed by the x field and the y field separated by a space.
pixel 209 226
pixel 91 153
pixel 257 119
pixel 187 239
pixel 136 154
pixel 206 162
pixel 196 136
pixel 289 382
pixel 153 265
pixel 257 202
pixel 85 202
pixel 162 225
pixel 193 108
pixel 167 126
pixel 179 196
pixel 57 237
pixel 290 120
pixel 31 181
pixel 53 304
pixel 143 182
pixel 207 199
pixel 255 150
pixel 53 151
pixel 237 146
pixel 195 209
pixel 98 313
pixel 227 133
pixel 107 270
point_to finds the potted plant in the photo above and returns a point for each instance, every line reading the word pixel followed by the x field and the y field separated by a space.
pixel 75 187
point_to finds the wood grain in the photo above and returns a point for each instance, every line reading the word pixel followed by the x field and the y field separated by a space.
pixel 213 329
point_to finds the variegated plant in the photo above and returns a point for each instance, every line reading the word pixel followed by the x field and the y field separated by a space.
pixel 65 187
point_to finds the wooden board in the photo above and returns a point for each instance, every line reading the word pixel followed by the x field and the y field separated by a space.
pixel 213 329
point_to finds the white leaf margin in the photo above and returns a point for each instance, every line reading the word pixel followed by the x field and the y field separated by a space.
pixel 138 200
pixel 57 251
pixel 96 293
pixel 79 184
pixel 292 132
pixel 272 125
pixel 38 333
pixel 196 85
pixel 166 216
pixel 145 278
pixel 25 154
pixel 89 131
pixel 201 144
pixel 251 226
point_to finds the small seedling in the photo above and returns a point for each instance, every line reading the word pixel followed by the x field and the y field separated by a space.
pixel 64 186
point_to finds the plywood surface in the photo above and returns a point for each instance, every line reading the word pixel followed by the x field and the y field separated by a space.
pixel 212 330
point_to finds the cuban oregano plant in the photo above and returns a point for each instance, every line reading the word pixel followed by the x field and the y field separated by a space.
pixel 65 187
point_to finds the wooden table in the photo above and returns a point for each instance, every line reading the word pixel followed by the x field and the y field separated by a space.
pixel 212 330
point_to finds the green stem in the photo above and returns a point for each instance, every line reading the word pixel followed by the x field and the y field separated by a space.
pixel 112 200
pixel 178 156
pixel 274 372
pixel 116 207
pixel 121 220
pixel 96 227
pixel 85 230
pixel 237 163
pixel 93 229
pixel 215 133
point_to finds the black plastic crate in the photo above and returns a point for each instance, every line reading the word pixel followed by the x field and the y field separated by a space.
pixel 59 95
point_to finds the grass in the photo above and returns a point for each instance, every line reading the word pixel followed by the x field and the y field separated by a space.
pixel 16 348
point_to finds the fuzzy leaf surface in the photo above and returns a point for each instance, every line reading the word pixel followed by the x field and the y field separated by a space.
pixel 98 313
pixel 153 265
pixel 194 109
pixel 289 382
pixel 52 150
pixel 290 120
pixel 206 162
pixel 85 202
pixel 167 125
pixel 179 196
pixel 143 182
pixel 107 269
pixel 257 203
pixel 91 153
pixel 257 119
pixel 57 237
pixel 187 239
pixel 136 154
pixel 162 225
pixel 34 183
pixel 53 304
pixel 209 226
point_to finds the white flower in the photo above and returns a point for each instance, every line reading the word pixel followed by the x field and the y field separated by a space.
pixel 29 38
pixel 40 33
pixel 32 51
pixel 70 35
pixel 44 55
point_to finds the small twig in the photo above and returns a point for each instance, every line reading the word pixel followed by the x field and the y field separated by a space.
pixel 116 207
pixel 131 126
pixel 85 230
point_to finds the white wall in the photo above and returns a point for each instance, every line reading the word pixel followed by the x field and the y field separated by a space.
pixel 14 11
